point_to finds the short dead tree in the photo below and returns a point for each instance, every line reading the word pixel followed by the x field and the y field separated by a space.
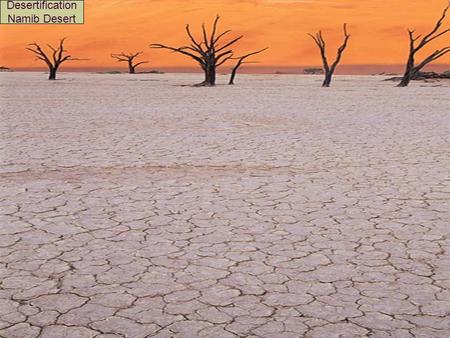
pixel 313 71
pixel 54 59
pixel 130 59
pixel 329 69
pixel 417 43
pixel 209 51
pixel 240 61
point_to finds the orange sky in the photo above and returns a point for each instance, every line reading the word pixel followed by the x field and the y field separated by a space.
pixel 378 29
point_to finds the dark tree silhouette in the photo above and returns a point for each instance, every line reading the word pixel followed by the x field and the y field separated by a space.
pixel 411 68
pixel 208 51
pixel 329 69
pixel 130 59
pixel 313 71
pixel 58 56
pixel 240 61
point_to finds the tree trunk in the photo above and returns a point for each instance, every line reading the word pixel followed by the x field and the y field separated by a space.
pixel 131 68
pixel 233 75
pixel 327 81
pixel 210 76
pixel 52 73
pixel 409 73
pixel 405 80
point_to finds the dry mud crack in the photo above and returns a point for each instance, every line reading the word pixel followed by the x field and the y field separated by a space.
pixel 134 211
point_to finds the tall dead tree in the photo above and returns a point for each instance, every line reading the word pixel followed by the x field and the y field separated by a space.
pixel 417 43
pixel 209 51
pixel 329 69
pixel 130 59
pixel 54 59
pixel 240 61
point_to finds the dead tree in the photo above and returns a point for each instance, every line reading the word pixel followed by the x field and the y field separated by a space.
pixel 130 59
pixel 329 69
pixel 240 61
pixel 417 43
pixel 53 61
pixel 313 71
pixel 208 51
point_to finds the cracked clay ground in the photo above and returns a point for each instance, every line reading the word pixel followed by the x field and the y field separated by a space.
pixel 134 207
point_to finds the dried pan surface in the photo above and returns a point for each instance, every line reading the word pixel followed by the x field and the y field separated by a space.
pixel 135 207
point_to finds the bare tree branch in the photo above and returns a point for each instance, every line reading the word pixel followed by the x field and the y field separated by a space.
pixel 58 56
pixel 242 60
pixel 181 50
pixel 412 69
pixel 207 51
pixel 320 42
pixel 130 59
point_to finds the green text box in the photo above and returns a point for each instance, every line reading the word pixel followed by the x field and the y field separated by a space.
pixel 42 12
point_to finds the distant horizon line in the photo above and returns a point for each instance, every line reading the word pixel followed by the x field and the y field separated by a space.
pixel 345 69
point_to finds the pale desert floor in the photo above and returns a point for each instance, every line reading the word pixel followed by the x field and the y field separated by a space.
pixel 135 207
